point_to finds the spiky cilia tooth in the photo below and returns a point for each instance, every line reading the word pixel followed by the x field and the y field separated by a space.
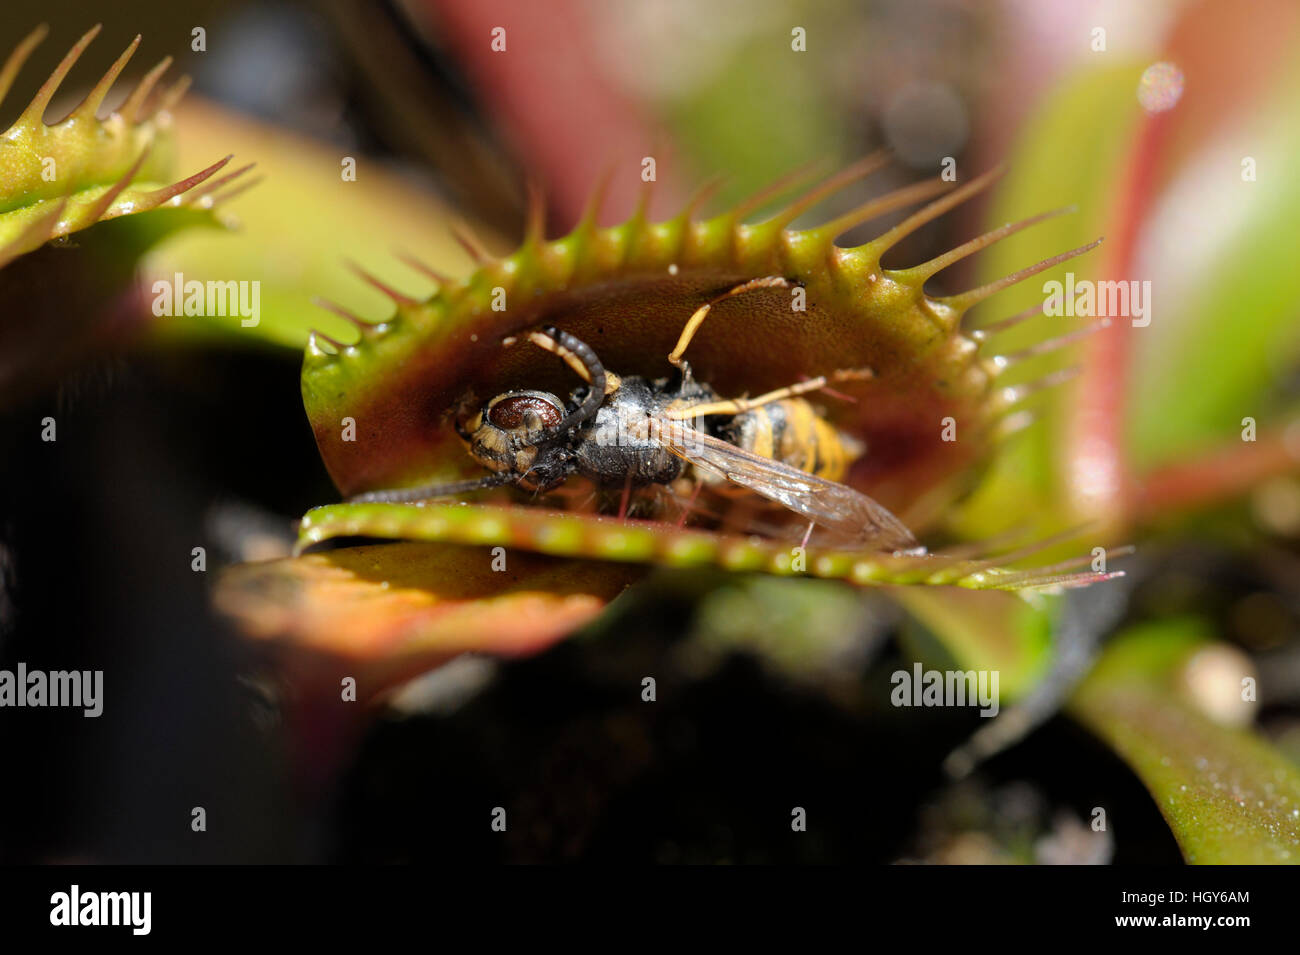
pixel 886 241
pixel 90 105
pixel 172 95
pixel 881 205
pixel 966 300
pixel 99 208
pixel 566 534
pixel 535 220
pixel 1049 345
pixel 158 197
pixel 919 273
pixel 472 245
pixel 375 282
pixel 356 320
pixel 859 170
pixel 102 168
pixel 773 191
pixel 212 186
pixel 989 329
pixel 441 278
pixel 34 115
pixel 133 105
pixel 16 59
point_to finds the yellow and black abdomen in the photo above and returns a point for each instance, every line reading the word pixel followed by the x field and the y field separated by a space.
pixel 792 432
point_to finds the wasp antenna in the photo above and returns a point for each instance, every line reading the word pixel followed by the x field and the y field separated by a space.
pixel 134 102
pixel 805 174
pixel 409 494
pixel 172 95
pixel 935 209
pixel 35 111
pixel 468 241
pixel 859 170
pixel 1049 345
pixel 341 312
pixel 90 105
pixel 167 193
pixel 919 273
pixel 377 283
pixel 9 72
pixel 965 300
pixel 897 199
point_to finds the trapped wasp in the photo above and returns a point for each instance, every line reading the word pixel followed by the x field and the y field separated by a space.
pixel 634 431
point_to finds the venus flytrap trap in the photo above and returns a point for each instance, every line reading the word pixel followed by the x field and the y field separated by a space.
pixel 93 177
pixel 64 177
pixel 891 358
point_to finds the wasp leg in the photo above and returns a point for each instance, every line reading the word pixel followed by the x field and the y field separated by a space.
pixel 736 406
pixel 429 492
pixel 695 321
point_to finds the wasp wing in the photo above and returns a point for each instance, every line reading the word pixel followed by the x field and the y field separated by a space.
pixel 837 507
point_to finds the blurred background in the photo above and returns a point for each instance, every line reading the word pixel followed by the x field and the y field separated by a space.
pixel 773 693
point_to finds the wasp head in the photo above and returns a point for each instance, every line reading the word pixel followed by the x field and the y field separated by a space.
pixel 518 433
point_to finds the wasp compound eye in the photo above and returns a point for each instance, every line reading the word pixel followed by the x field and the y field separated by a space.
pixel 525 410
pixel 533 466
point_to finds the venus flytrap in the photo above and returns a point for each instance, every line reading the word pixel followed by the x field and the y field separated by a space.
pixel 109 182
pixel 64 177
pixel 627 289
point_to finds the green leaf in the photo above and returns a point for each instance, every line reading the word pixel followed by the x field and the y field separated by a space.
pixel 1224 293
pixel 1228 796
